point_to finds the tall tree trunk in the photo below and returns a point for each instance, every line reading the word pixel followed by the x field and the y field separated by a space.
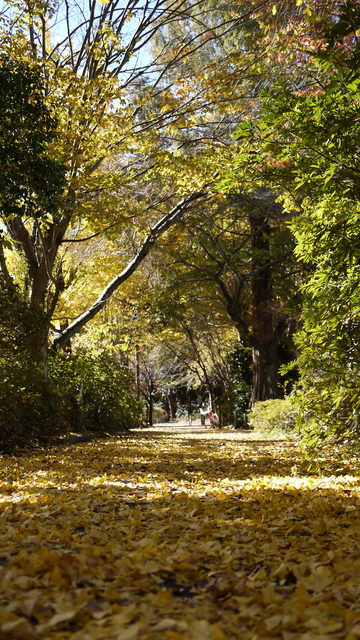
pixel 172 404
pixel 151 402
pixel 40 253
pixel 137 371
pixel 264 350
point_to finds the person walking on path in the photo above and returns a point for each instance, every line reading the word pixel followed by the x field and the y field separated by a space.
pixel 203 411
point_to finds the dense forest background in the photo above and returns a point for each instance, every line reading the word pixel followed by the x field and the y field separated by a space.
pixel 179 214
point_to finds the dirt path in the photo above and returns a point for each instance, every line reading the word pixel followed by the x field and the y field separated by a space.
pixel 178 533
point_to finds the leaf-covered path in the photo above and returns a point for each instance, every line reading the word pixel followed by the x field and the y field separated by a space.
pixel 177 534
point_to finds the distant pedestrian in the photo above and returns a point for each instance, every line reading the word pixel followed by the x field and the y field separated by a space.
pixel 214 418
pixel 190 412
pixel 203 412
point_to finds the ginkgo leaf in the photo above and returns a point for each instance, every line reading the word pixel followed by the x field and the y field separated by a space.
pixel 196 548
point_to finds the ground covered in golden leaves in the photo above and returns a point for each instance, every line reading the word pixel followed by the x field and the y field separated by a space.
pixel 178 534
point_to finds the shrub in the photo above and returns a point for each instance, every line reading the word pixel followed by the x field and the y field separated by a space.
pixel 30 408
pixel 78 392
pixel 274 415
pixel 98 391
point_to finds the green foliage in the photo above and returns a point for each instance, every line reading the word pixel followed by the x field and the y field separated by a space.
pixel 240 378
pixel 329 341
pixel 80 392
pixel 327 234
pixel 21 324
pixel 30 181
pixel 274 416
pixel 30 408
pixel 306 146
pixel 98 389
pixel 32 411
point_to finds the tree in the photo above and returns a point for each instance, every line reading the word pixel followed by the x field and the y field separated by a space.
pixel 158 229
pixel 128 168
pixel 306 145
pixel 234 259
pixel 193 347
pixel 203 147
pixel 110 110
pixel 117 111
pixel 31 181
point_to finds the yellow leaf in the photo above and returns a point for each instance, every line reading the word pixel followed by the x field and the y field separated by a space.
pixel 173 635
pixel 126 616
pixel 165 624
pixel 217 633
pixel 201 629
pixel 18 628
pixel 281 571
pixel 130 633
pixel 110 592
pixel 269 595
pixel 319 580
pixel 351 616
pixel 61 617
pixel 150 567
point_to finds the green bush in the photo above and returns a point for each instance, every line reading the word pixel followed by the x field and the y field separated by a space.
pixel 97 391
pixel 31 409
pixel 80 392
pixel 274 416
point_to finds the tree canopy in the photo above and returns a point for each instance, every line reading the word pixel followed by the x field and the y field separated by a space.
pixel 305 145
pixel 179 190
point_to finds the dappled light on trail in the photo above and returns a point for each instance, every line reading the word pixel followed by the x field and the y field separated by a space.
pixel 178 534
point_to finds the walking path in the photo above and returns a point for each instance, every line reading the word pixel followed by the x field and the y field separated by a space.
pixel 180 424
pixel 178 533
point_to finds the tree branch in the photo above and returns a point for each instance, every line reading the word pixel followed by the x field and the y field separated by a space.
pixel 20 234
pixel 3 265
pixel 159 228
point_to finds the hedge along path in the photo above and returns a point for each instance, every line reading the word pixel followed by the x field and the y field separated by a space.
pixel 178 534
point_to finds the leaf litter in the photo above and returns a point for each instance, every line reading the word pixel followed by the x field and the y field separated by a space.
pixel 178 534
